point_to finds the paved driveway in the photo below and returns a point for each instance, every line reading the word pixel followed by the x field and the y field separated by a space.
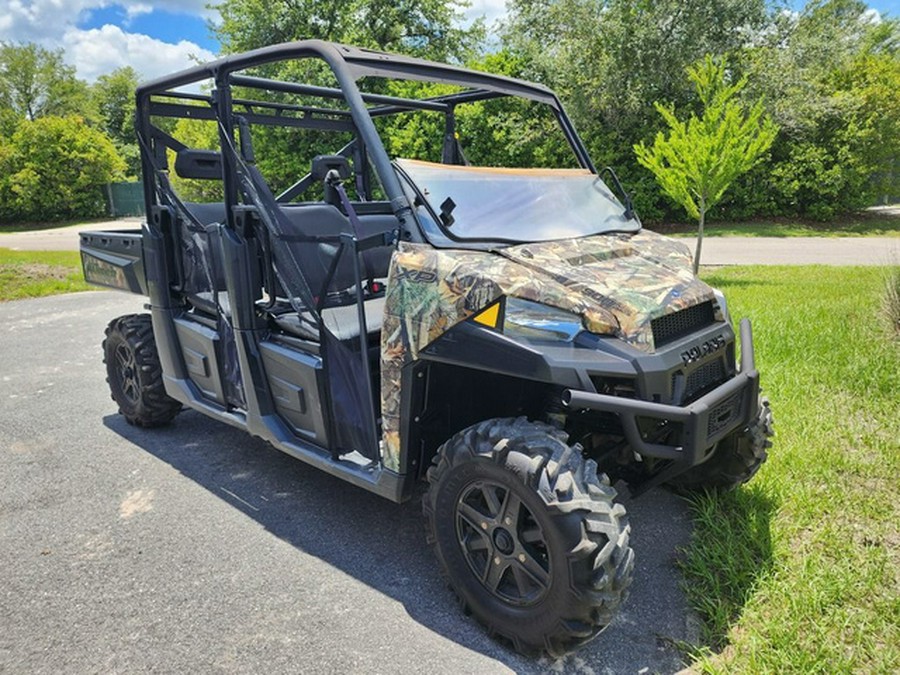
pixel 61 238
pixel 716 250
pixel 798 250
pixel 197 548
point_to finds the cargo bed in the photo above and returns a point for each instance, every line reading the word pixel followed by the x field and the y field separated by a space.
pixel 115 259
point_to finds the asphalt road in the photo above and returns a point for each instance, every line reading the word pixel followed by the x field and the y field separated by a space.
pixel 196 548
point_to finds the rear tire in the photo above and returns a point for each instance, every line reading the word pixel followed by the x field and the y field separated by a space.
pixel 134 373
pixel 529 537
pixel 737 457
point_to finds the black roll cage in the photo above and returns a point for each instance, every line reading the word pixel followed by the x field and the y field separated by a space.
pixel 348 64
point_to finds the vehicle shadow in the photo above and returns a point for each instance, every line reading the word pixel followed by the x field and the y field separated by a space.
pixel 732 550
pixel 385 548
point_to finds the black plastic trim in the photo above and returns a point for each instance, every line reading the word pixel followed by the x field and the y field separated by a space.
pixel 694 417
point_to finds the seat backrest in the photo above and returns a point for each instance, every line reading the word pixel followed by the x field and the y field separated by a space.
pixel 320 220
pixel 316 258
pixel 321 165
pixel 202 245
pixel 207 213
pixel 376 261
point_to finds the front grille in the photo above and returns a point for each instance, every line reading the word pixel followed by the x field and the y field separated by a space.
pixel 723 414
pixel 673 326
pixel 704 378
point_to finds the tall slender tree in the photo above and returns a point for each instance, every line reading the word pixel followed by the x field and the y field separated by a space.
pixel 698 159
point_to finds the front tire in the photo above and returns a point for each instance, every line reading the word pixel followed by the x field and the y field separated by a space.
pixel 529 537
pixel 134 373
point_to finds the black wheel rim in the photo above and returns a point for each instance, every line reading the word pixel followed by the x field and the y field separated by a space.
pixel 127 372
pixel 503 543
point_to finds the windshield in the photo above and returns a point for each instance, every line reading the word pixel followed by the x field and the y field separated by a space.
pixel 517 205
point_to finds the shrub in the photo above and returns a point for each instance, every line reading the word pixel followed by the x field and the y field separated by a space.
pixel 54 168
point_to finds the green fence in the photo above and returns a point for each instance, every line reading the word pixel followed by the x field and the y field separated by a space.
pixel 125 199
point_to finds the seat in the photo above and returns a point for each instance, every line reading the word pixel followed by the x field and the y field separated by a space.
pixel 200 258
pixel 343 322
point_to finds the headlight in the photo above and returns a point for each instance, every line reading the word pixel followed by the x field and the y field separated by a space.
pixel 723 305
pixel 534 321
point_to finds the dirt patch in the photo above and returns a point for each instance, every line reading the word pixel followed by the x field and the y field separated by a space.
pixel 35 271
pixel 137 501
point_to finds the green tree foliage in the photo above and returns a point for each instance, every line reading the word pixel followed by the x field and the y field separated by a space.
pixel 113 99
pixel 698 159
pixel 497 132
pixel 428 28
pixel 54 168
pixel 34 83
pixel 113 96
pixel 828 77
pixel 609 59
pixel 831 79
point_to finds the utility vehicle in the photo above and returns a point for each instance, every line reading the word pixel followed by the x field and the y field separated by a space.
pixel 340 260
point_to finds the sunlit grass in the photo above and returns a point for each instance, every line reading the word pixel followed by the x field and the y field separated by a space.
pixel 797 571
pixel 32 274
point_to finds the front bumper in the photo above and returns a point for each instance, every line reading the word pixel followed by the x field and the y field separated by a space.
pixel 704 422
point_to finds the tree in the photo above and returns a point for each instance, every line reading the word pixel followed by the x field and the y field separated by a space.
pixel 54 168
pixel 34 83
pixel 113 99
pixel 113 96
pixel 699 159
pixel 428 28
pixel 829 76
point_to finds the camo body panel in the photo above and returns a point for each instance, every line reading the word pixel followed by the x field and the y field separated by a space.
pixel 617 282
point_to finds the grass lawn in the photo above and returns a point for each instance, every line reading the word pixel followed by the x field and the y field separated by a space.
pixel 866 224
pixel 798 570
pixel 31 274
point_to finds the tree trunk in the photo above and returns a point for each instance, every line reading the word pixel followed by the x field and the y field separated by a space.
pixel 699 238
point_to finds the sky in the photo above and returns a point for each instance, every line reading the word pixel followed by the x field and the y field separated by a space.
pixel 157 37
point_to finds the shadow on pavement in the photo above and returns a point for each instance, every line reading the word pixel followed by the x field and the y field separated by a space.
pixel 382 544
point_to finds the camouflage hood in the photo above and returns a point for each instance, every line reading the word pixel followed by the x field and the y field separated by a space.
pixel 618 282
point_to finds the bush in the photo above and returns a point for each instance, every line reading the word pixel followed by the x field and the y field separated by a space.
pixel 54 168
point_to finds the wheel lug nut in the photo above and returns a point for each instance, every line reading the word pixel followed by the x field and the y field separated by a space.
pixel 484 526
pixel 497 560
pixel 508 520
pixel 522 557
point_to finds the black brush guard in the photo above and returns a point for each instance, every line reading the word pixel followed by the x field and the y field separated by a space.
pixel 704 422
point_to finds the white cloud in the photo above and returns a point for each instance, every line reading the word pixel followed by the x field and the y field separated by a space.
pixel 871 16
pixel 100 50
pixel 54 24
pixel 132 11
